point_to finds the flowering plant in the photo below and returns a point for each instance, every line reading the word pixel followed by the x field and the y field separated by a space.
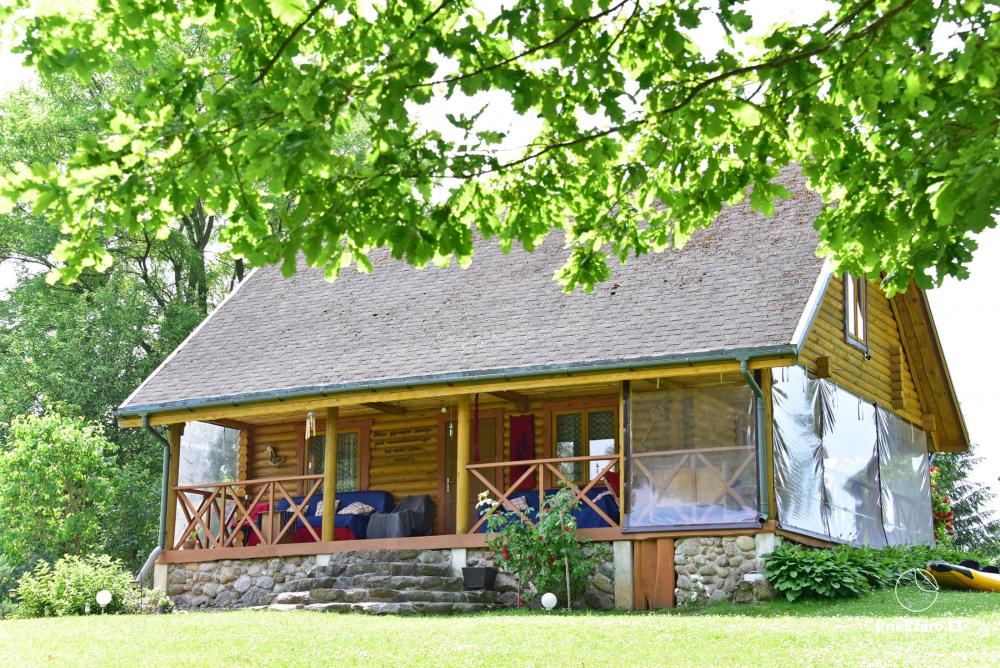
pixel 944 529
pixel 546 556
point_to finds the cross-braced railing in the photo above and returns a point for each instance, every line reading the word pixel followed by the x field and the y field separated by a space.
pixel 542 468
pixel 665 470
pixel 225 514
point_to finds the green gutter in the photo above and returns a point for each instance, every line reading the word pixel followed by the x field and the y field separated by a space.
pixel 166 479
pixel 762 492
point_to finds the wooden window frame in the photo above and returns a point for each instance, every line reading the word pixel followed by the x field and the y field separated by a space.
pixel 364 431
pixel 858 306
pixel 583 407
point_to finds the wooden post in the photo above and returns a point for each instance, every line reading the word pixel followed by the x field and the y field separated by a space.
pixel 463 444
pixel 330 474
pixel 174 436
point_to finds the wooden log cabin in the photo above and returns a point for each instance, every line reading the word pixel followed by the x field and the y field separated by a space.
pixel 735 390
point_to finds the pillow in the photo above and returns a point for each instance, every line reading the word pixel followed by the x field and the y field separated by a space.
pixel 603 494
pixel 319 507
pixel 520 503
pixel 358 508
pixel 614 481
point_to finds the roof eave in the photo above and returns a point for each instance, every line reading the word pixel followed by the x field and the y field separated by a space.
pixel 690 359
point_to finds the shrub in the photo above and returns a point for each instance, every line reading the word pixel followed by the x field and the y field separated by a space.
pixel 847 571
pixel 8 576
pixel 66 587
pixel 797 572
pixel 544 555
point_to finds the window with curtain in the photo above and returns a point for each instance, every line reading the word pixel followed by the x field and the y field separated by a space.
pixel 581 433
pixel 348 459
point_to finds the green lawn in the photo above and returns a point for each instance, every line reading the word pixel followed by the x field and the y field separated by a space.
pixel 960 630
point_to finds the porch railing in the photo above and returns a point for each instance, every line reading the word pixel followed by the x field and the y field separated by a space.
pixel 694 483
pixel 541 467
pixel 225 514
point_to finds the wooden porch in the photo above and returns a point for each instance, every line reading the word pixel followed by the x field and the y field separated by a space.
pixel 510 443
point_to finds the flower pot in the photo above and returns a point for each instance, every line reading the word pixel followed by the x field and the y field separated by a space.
pixel 479 577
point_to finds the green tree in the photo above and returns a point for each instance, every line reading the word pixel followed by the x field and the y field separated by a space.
pixel 86 346
pixel 54 487
pixel 976 524
pixel 890 106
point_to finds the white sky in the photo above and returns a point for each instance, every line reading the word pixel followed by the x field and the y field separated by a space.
pixel 967 312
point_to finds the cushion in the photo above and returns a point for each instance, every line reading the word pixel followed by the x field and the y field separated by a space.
pixel 614 481
pixel 603 494
pixel 357 508
pixel 319 508
pixel 518 502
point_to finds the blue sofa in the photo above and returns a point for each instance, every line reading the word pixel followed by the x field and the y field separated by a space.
pixel 381 501
pixel 584 515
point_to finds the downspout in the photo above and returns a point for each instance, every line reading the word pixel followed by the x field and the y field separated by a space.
pixel 166 478
pixel 762 492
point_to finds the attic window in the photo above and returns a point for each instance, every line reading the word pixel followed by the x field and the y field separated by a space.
pixel 856 312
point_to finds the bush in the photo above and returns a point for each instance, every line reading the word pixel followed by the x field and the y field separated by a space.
pixel 542 556
pixel 8 576
pixel 66 587
pixel 797 573
pixel 847 571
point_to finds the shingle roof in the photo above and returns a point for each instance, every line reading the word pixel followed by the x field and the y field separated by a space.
pixel 742 283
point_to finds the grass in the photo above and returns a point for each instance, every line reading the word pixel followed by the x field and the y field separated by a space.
pixel 958 631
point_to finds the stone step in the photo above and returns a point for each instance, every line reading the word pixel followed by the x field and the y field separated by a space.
pixel 379 556
pixel 382 568
pixel 292 600
pixel 369 581
pixel 398 608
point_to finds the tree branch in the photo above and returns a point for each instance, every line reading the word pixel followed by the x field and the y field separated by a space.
pixel 576 25
pixel 288 40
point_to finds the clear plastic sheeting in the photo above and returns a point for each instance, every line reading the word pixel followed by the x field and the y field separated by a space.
pixel 798 452
pixel 845 469
pixel 209 454
pixel 692 454
pixel 906 481
pixel 850 467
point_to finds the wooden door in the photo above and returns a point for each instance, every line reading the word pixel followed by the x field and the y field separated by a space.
pixel 490 449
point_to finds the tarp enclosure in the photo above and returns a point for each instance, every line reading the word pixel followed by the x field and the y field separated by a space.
pixel 209 454
pixel 691 453
pixel 846 469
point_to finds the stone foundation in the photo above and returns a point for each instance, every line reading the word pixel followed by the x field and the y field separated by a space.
pixel 234 583
pixel 731 568
pixel 410 576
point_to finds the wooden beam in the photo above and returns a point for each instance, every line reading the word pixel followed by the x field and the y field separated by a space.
pixel 930 422
pixel 463 447
pixel 824 369
pixel 385 407
pixel 174 437
pixel 262 409
pixel 233 424
pixel 330 474
pixel 521 401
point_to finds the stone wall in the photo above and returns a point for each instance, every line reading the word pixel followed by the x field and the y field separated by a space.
pixel 711 570
pixel 234 583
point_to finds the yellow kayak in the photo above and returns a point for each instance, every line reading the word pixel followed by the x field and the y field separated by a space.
pixel 963 577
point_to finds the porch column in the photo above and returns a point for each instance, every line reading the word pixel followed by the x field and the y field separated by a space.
pixel 463 444
pixel 330 474
pixel 174 437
